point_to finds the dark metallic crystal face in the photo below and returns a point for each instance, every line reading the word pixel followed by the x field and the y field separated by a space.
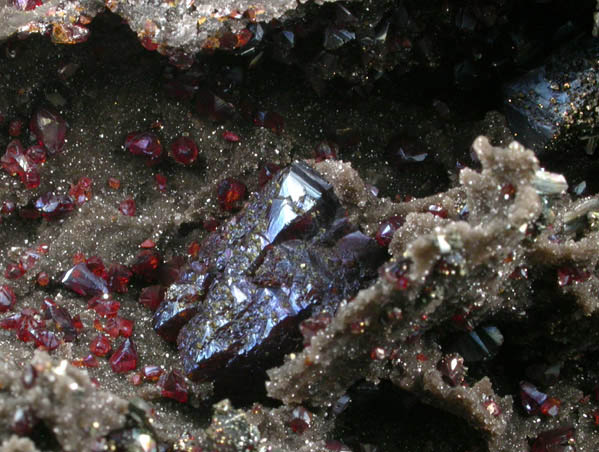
pixel 288 255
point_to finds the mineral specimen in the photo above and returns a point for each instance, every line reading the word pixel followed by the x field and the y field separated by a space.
pixel 290 254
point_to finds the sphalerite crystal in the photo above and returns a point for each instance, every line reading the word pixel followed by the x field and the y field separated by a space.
pixel 289 255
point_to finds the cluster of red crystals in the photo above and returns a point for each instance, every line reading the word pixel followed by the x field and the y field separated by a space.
pixel 230 194
pixel 104 307
pixel 557 440
pixel 397 274
pixel 160 180
pixel 535 401
pixel 124 358
pixel 452 369
pixel 7 298
pixel 230 137
pixel 118 326
pixel 17 162
pixel 146 265
pixel 301 420
pixel 15 127
pixel 26 5
pixel 14 270
pixel 81 192
pixel 152 296
pixel 100 345
pixel 173 386
pixel 145 144
pixel 568 275
pixel 267 172
pixel 52 205
pixel 127 207
pixel 50 129
pixel 184 150
pixel 387 228
pixel 30 327
pixel 96 266
pixel 61 318
pixel 325 150
pixel 437 210
pixel 311 326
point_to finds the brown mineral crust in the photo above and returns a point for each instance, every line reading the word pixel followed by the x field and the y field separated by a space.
pixel 65 399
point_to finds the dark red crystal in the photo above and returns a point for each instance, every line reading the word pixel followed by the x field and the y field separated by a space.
pixel 127 207
pixel 230 194
pixel 387 228
pixel 213 107
pixel 146 265
pixel 557 440
pixel 61 317
pixel 267 172
pixel 452 369
pixel 567 275
pixel 152 296
pixel 52 205
pixel 124 358
pixel 96 266
pixel 27 5
pixel 173 386
pixel 230 137
pixel 81 192
pixel 145 144
pixel 301 420
pixel 7 298
pixel 49 128
pixel 100 345
pixel 531 397
pixel 14 270
pixel 437 210
pixel 160 180
pixel 184 150
pixel 118 278
pixel 16 162
pixel 46 340
pixel 15 127
pixel 152 373
pixel 23 421
pixel 311 326
pixel 104 307
pixel 82 280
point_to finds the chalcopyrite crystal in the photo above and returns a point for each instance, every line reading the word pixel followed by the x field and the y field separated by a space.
pixel 290 254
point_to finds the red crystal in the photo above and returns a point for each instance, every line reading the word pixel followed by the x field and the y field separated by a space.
pixel 146 265
pixel 387 228
pixel 43 279
pixel 147 244
pixel 61 317
pixel 90 361
pixel 14 270
pixel 104 307
pixel 50 129
pixel 230 137
pixel 173 386
pixel 531 397
pixel 550 407
pixel 81 280
pixel 7 208
pixel 213 107
pixel 52 206
pixel 193 249
pixel 28 325
pixel 378 354
pixel 151 297
pixel 437 211
pixel 82 191
pixel 100 345
pixel 23 421
pixel 311 326
pixel 568 275
pixel 325 150
pixel 152 373
pixel 96 266
pixel 160 180
pixel 301 420
pixel 267 172
pixel 46 340
pixel 452 369
pixel 184 150
pixel 135 379
pixel 114 183
pixel 211 224
pixel 127 207
pixel 118 278
pixel 124 357
pixel 230 194
pixel 145 144
pixel 26 5
pixel 15 127
pixel 492 407
pixel 557 440
pixel 16 162
pixel 397 274
pixel 36 154
pixel 7 298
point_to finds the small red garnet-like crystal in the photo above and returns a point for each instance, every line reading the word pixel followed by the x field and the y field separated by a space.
pixel 50 129
pixel 173 386
pixel 15 127
pixel 43 279
pixel 118 278
pixel 550 407
pixel 104 307
pixel 146 264
pixel 14 270
pixel 81 280
pixel 385 232
pixel 114 183
pixel 568 275
pixel 51 205
pixel 152 373
pixel 81 192
pixel 46 340
pixel 452 369
pixel 492 407
pixel 96 266
pixel 23 421
pixel 100 346
pixel 531 397
pixel 160 180
pixel 7 298
pixel 151 297
pixel 184 150
pixel 26 5
pixel 90 361
pixel 301 420
pixel 267 172
pixel 127 207
pixel 145 144
pixel 230 194
pixel 193 249
pixel 124 357
pixel 211 224
pixel 230 137
pixel 437 210
pixel 558 440
pixel 36 154
pixel 312 325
